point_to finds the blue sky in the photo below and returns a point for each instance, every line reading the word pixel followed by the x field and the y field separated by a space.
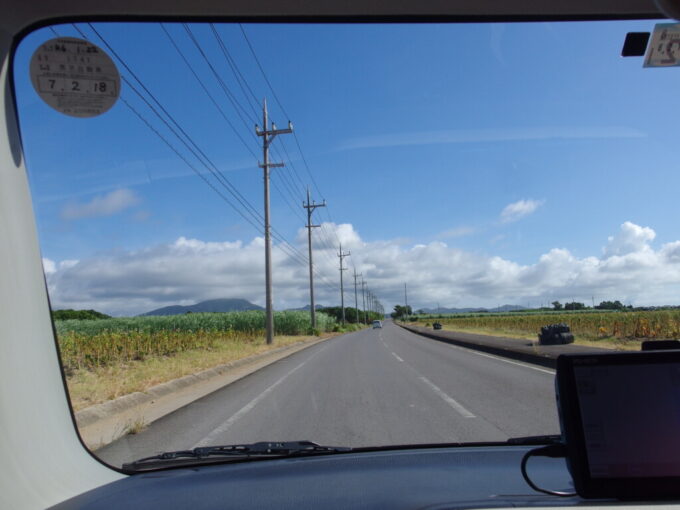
pixel 417 136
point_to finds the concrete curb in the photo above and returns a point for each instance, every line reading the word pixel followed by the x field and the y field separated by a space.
pixel 513 348
pixel 103 423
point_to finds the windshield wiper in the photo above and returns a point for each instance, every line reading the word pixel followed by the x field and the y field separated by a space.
pixel 535 440
pixel 234 452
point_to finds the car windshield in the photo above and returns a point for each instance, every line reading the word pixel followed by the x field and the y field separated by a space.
pixel 225 209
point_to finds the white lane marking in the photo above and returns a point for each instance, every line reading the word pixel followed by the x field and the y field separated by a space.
pixel 525 365
pixel 464 412
pixel 395 355
pixel 210 438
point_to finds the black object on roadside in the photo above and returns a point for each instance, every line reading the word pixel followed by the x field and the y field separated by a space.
pixel 555 334
pixel 437 325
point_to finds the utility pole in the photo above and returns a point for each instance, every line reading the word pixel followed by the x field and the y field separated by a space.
pixel 310 209
pixel 267 138
pixel 342 255
pixel 363 299
pixel 356 299
pixel 405 299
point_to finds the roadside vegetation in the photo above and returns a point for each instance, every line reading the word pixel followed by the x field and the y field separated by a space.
pixel 614 329
pixel 107 358
pixel 96 343
pixel 62 315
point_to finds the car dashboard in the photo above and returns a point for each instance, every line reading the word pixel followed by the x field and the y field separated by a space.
pixel 453 478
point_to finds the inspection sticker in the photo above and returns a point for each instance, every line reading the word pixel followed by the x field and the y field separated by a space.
pixel 75 77
pixel 664 50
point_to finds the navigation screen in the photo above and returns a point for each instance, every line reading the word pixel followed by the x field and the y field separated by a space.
pixel 631 419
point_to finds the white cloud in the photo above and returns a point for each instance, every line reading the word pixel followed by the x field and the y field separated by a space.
pixel 49 266
pixel 190 270
pixel 520 209
pixel 632 238
pixel 456 232
pixel 101 205
pixel 490 135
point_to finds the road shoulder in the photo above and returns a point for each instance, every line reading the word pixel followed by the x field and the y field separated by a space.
pixel 103 423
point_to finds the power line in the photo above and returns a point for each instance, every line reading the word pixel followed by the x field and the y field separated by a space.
pixel 284 245
pixel 278 101
pixel 219 177
pixel 205 89
pixel 235 103
pixel 252 51
pixel 237 72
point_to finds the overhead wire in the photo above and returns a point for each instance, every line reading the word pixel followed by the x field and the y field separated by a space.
pixel 188 142
pixel 243 83
pixel 285 246
pixel 283 176
pixel 205 89
pixel 238 107
pixel 283 110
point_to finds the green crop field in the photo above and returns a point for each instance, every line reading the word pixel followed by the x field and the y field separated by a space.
pixel 97 343
pixel 592 325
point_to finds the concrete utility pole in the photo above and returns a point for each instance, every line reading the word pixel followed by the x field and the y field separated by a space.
pixel 267 138
pixel 356 299
pixel 405 298
pixel 342 255
pixel 363 299
pixel 310 209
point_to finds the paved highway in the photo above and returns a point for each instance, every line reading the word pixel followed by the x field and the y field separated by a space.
pixel 373 387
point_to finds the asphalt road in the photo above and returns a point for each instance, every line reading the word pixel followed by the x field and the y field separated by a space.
pixel 374 387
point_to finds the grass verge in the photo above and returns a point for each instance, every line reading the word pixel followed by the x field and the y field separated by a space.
pixel 90 386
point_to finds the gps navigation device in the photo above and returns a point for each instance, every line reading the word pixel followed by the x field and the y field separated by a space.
pixel 620 418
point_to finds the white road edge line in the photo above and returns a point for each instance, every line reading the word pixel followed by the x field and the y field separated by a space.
pixel 544 370
pixel 464 412
pixel 395 355
pixel 210 438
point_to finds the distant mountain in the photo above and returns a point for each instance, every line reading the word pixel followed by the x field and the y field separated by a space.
pixel 211 305
pixel 442 310
pixel 306 308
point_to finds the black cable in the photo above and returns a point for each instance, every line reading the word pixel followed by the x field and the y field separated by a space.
pixel 296 254
pixel 553 451
pixel 205 89
pixel 284 245
pixel 227 91
pixel 297 141
pixel 237 73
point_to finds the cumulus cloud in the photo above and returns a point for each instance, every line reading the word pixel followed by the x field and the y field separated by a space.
pixel 189 270
pixel 518 210
pixel 631 238
pixel 101 205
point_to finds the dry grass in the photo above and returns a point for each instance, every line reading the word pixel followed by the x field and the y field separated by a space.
pixel 88 387
pixel 135 426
